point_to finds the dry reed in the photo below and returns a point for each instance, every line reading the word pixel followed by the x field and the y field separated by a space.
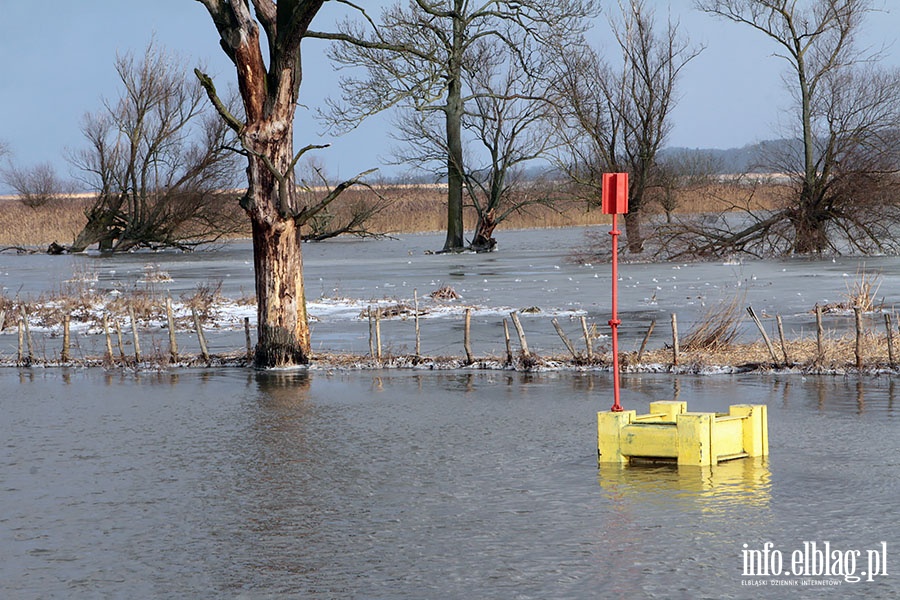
pixel 839 354
pixel 411 209
pixel 862 291
pixel 717 329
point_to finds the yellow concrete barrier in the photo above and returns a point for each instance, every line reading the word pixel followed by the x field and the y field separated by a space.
pixel 669 432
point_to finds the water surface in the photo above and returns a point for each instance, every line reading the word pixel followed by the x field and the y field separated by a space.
pixel 385 484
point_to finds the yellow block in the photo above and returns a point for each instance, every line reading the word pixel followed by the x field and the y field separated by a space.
pixel 650 440
pixel 609 433
pixel 694 438
pixel 669 431
pixel 727 438
pixel 756 427
pixel 668 408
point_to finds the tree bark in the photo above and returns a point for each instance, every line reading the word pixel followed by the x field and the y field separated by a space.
pixel 453 111
pixel 455 229
pixel 283 327
pixel 484 233
pixel 810 231
pixel 281 302
pixel 633 232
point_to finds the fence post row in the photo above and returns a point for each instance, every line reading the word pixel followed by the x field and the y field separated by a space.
pixel 25 351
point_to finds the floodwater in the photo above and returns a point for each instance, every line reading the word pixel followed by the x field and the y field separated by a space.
pixel 531 270
pixel 230 483
pixel 239 484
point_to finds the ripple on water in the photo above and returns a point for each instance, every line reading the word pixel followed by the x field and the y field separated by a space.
pixel 410 485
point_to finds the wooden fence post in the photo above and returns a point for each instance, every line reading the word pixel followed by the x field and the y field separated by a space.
pixel 173 343
pixel 247 338
pixel 371 331
pixel 509 357
pixel 889 328
pixel 520 332
pixel 765 336
pixel 564 338
pixel 466 340
pixel 29 341
pixel 820 335
pixel 416 315
pixel 787 361
pixel 646 339
pixel 204 352
pixel 64 355
pixel 134 335
pixel 378 331
pixel 857 313
pixel 109 352
pixel 119 340
pixel 674 339
pixel 587 339
pixel 21 355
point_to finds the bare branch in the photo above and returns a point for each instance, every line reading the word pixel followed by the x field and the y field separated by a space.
pixel 309 212
pixel 206 81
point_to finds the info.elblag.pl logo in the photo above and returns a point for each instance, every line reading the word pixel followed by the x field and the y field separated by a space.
pixel 814 560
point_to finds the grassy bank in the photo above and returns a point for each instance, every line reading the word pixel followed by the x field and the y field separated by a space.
pixel 411 209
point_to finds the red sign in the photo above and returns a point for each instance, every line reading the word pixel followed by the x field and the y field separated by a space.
pixel 615 193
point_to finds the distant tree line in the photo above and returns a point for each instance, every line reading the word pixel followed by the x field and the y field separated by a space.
pixel 485 97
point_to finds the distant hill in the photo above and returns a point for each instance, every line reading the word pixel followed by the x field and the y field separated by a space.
pixel 752 158
pixel 761 157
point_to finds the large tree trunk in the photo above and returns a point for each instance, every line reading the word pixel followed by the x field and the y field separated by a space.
pixel 810 229
pixel 282 321
pixel 453 112
pixel 484 233
pixel 633 233
pixel 455 230
pixel 281 303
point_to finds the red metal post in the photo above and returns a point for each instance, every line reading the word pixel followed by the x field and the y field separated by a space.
pixel 614 322
pixel 615 202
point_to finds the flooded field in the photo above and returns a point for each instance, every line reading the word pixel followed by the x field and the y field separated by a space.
pixel 531 271
pixel 231 483
pixel 381 484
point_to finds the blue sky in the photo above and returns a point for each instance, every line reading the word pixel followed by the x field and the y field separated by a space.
pixel 57 64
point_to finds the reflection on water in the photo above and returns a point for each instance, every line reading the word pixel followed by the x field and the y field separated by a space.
pixel 722 488
pixel 851 394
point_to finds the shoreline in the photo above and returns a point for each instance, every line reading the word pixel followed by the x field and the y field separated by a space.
pixel 345 362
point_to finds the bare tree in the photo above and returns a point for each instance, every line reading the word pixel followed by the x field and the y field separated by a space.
pixel 417 58
pixel 156 163
pixel 35 185
pixel 269 88
pixel 846 120
pixel 503 128
pixel 615 118
pixel 510 109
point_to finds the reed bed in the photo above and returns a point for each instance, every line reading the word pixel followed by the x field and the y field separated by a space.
pixel 59 220
pixel 839 355
pixel 410 209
